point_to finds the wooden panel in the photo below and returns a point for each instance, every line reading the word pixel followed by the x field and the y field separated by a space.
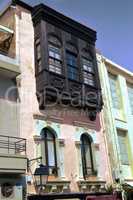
pixel 68 39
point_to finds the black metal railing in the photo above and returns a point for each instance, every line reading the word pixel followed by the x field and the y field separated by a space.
pixel 12 145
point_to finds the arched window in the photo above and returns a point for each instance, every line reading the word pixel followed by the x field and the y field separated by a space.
pixel 86 153
pixel 49 150
pixel 55 55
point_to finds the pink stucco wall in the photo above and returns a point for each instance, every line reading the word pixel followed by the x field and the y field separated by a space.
pixel 69 123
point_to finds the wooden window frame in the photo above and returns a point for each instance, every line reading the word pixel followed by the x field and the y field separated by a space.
pixel 68 52
pixel 89 73
pixel 54 59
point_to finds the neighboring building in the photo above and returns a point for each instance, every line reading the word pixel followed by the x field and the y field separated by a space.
pixel 68 135
pixel 117 87
pixel 13 160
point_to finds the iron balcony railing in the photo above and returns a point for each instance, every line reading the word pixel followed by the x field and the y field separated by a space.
pixel 12 145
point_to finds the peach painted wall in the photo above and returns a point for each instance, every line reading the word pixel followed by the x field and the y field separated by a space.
pixel 68 127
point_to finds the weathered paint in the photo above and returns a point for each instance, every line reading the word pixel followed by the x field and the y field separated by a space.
pixel 117 119
pixel 68 124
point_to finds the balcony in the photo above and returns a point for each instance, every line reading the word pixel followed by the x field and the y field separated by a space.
pixel 12 155
pixel 9 65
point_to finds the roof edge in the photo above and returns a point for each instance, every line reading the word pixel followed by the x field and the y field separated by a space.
pixel 5 8
pixel 22 4
pixel 115 65
pixel 41 10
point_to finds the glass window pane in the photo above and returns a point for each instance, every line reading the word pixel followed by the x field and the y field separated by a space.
pixel 114 91
pixel 51 155
pixel 130 96
pixel 51 68
pixel 55 59
pixel 87 65
pixel 54 52
pixel 51 53
pixel 72 74
pixel 88 78
pixel 58 71
pixel 88 72
pixel 43 153
pixel 55 66
pixel 123 146
pixel 72 66
pixel 71 59
pixel 87 155
pixel 57 56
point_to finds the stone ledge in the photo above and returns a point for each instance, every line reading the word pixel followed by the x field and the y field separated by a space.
pixel 92 186
pixel 57 186
pixel 40 116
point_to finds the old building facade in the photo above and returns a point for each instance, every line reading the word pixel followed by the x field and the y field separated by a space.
pixel 69 125
pixel 117 84
pixel 58 101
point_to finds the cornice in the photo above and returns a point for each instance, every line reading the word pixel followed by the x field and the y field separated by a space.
pixel 48 14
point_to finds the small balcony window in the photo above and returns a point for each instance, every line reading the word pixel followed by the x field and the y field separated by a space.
pixel 88 72
pixel 55 61
pixel 72 65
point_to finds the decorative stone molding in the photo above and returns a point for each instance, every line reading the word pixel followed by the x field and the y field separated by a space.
pixel 39 116
pixel 54 188
pixel 92 186
pixel 47 118
pixel 37 138
pixel 84 124
pixel 102 188
pixel 77 143
pixel 96 146
pixel 57 186
pixel 66 188
pixel 54 119
pixel 61 142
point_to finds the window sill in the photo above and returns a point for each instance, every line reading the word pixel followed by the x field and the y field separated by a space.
pixel 125 164
pixel 93 174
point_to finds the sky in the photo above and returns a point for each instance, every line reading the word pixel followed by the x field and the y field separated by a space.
pixel 112 19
